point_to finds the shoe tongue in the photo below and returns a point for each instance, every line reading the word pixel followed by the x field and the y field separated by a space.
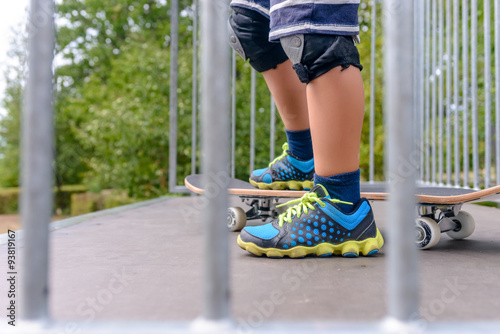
pixel 320 191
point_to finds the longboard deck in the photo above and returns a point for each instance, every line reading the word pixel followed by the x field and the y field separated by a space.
pixel 372 191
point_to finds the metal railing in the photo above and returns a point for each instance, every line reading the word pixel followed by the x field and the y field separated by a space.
pixel 450 97
pixel 401 107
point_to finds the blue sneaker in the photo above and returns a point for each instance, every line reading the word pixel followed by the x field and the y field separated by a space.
pixel 315 225
pixel 285 172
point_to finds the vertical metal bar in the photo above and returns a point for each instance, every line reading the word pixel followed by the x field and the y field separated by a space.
pixel 427 89
pixel 252 119
pixel 215 124
pixel 402 253
pixel 37 158
pixel 174 53
pixel 415 70
pixel 497 88
pixel 449 60
pixel 416 92
pixel 421 77
pixel 272 139
pixel 465 92
pixel 194 113
pixel 474 106
pixel 434 91
pixel 372 89
pixel 456 88
pixel 487 92
pixel 441 90
pixel 233 114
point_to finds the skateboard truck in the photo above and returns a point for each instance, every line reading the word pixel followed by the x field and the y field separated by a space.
pixel 261 207
pixel 435 219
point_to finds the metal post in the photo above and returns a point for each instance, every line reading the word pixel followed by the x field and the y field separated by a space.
pixel 252 119
pixel 233 114
pixel 215 124
pixel 399 106
pixel 434 91
pixel 497 88
pixel 474 102
pixel 272 140
pixel 449 60
pixel 487 92
pixel 194 114
pixel 416 76
pixel 415 71
pixel 174 52
pixel 421 77
pixel 427 89
pixel 456 88
pixel 441 91
pixel 372 89
pixel 36 164
pixel 465 92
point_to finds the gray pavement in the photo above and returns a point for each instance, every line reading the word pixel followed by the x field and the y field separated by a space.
pixel 145 264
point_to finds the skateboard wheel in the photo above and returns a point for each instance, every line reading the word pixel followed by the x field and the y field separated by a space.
pixel 236 219
pixel 466 226
pixel 427 232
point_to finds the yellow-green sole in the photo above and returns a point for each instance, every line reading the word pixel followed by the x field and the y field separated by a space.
pixel 283 185
pixel 350 248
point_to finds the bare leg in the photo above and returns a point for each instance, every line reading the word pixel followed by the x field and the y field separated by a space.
pixel 336 108
pixel 289 95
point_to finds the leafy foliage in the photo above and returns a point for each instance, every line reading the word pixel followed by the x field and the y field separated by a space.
pixel 11 122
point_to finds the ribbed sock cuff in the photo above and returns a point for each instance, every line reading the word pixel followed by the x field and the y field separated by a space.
pixel 344 187
pixel 300 143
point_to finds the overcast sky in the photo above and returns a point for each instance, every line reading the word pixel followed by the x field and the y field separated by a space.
pixel 12 13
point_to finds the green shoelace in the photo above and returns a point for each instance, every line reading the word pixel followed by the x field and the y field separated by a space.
pixel 285 148
pixel 303 205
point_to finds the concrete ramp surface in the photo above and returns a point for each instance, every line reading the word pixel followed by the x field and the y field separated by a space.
pixel 145 264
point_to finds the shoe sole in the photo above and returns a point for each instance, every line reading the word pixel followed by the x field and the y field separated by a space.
pixel 366 247
pixel 283 185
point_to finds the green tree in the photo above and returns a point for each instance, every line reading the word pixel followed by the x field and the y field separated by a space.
pixel 113 93
pixel 15 76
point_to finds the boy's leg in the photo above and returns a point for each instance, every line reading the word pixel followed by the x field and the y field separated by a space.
pixel 320 223
pixel 330 66
pixel 336 109
pixel 294 169
pixel 323 222
pixel 289 95
pixel 250 38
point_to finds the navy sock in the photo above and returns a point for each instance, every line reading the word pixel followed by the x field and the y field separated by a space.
pixel 344 187
pixel 300 143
